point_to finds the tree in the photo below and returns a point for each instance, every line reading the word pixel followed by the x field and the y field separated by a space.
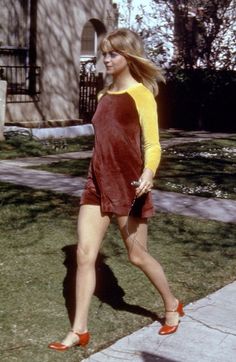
pixel 146 19
pixel 203 33
pixel 186 33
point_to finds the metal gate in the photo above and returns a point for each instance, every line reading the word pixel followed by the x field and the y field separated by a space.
pixel 90 85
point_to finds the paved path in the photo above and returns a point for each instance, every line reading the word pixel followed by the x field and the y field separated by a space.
pixel 207 333
pixel 46 160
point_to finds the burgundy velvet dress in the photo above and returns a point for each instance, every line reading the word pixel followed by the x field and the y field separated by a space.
pixel 117 158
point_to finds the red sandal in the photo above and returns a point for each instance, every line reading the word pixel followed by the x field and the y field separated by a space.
pixel 166 329
pixel 83 340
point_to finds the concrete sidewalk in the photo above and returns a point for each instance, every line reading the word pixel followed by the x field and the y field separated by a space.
pixel 207 333
pixel 15 171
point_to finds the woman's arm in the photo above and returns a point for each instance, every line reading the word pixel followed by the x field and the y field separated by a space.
pixel 147 109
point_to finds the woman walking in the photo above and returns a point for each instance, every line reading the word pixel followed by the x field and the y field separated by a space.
pixel 125 159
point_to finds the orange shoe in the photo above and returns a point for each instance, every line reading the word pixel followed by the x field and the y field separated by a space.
pixel 166 329
pixel 83 339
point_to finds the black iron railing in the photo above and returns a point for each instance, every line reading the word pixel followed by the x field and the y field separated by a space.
pixel 23 83
pixel 23 78
pixel 10 55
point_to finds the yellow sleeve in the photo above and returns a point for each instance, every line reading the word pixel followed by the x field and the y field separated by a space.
pixel 147 109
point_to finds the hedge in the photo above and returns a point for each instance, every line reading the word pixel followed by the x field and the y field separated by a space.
pixel 198 99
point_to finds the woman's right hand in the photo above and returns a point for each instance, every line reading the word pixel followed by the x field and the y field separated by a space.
pixel 146 182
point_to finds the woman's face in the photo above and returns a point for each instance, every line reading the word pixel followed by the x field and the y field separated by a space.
pixel 115 63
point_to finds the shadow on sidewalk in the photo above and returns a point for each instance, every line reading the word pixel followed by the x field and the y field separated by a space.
pixel 149 357
pixel 107 288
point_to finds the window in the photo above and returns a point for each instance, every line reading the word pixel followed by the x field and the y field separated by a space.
pixel 89 41
pixel 18 51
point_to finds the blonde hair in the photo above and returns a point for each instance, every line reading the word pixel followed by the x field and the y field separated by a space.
pixel 129 44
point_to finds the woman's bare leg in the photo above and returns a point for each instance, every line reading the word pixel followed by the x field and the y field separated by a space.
pixel 92 225
pixel 134 234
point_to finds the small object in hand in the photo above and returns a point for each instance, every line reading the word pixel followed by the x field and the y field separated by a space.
pixel 135 183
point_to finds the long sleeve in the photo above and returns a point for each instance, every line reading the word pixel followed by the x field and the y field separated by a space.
pixel 147 109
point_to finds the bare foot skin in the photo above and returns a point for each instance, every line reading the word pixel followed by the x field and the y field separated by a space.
pixel 70 339
pixel 171 315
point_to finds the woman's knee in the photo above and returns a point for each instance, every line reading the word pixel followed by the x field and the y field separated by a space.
pixel 137 258
pixel 85 256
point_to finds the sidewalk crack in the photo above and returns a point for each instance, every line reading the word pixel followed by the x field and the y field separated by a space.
pixel 210 327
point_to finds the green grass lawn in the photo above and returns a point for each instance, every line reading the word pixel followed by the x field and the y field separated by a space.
pixel 38 238
pixel 24 146
pixel 205 168
pixel 71 167
pixel 21 145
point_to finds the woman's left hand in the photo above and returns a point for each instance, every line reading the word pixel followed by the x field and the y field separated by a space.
pixel 146 182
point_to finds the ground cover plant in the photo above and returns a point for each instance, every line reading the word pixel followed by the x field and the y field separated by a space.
pixel 24 145
pixel 37 239
pixel 75 168
pixel 18 145
pixel 206 168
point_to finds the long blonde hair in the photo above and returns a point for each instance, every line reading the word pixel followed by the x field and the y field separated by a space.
pixel 129 44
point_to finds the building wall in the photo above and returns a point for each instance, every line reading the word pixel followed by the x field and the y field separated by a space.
pixel 59 26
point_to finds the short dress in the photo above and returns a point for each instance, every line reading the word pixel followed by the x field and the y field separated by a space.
pixel 126 141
